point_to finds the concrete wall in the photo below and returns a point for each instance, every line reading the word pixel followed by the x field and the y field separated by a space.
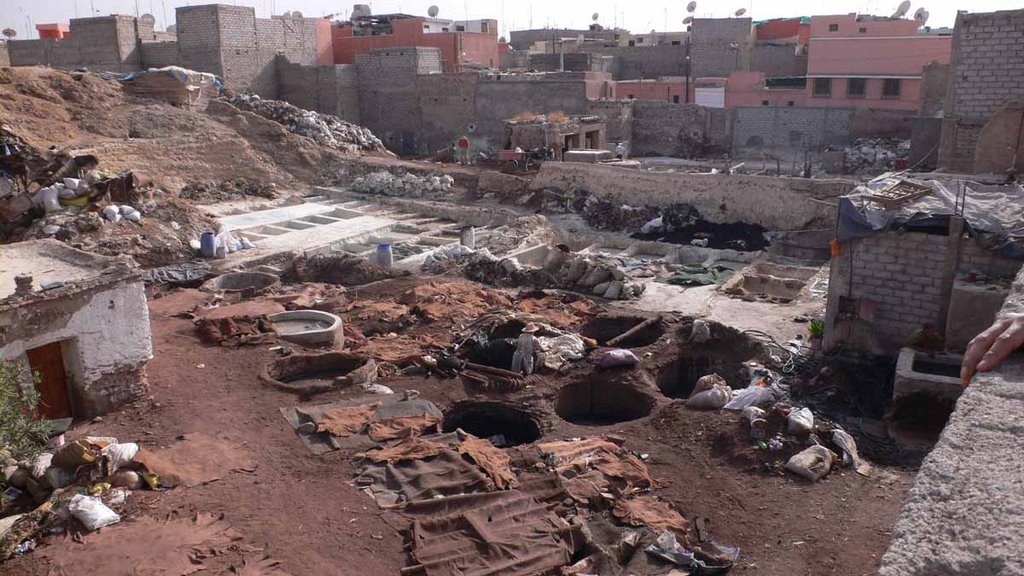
pixel 679 130
pixel 775 203
pixel 389 99
pixel 882 123
pixel 5 58
pixel 778 60
pixel 570 62
pixel 712 51
pixel 331 89
pixel 790 127
pixel 106 339
pixel 924 142
pixel 934 82
pixel 986 73
pixel 618 117
pixel 963 515
pixel 158 54
pixel 107 43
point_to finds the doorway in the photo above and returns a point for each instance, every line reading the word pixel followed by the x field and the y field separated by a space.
pixel 48 362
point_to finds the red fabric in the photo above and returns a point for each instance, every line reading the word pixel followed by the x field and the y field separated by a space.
pixel 463 142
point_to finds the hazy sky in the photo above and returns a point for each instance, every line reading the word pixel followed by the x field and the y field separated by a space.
pixel 636 15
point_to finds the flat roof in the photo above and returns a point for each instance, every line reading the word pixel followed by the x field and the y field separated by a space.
pixel 49 261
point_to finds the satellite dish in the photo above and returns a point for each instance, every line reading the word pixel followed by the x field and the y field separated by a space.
pixel 502 40
pixel 286 15
pixel 691 6
pixel 921 15
pixel 594 17
pixel 902 9
pixel 688 20
pixel 471 128
pixel 433 11
pixel 296 14
pixel 10 32
pixel 147 19
pixel 741 12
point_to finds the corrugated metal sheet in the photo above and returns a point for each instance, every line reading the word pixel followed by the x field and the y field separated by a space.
pixel 713 97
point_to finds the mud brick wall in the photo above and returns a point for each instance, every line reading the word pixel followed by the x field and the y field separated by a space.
pixel 790 127
pixel 618 116
pixel 712 41
pixel 331 89
pixel 680 130
pixel 778 60
pixel 986 72
pixel 159 54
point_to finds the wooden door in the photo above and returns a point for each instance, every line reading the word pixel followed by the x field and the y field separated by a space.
pixel 48 362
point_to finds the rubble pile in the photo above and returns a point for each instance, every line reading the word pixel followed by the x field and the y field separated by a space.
pixel 408 185
pixel 877 154
pixel 211 192
pixel 595 274
pixel 324 129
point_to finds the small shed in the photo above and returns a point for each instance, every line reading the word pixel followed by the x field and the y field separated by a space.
pixel 177 85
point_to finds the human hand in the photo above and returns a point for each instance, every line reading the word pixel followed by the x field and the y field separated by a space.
pixel 988 349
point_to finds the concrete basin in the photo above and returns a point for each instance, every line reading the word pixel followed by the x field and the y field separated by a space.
pixel 248 282
pixel 308 327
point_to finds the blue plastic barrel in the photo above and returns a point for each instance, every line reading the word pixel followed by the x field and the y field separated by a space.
pixel 208 244
pixel 385 256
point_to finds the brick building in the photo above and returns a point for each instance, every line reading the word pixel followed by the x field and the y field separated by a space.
pixel 865 61
pixel 983 108
pixel 459 45
pixel 720 46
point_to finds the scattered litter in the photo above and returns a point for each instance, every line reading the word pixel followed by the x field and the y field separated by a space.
pixel 324 129
pixel 800 421
pixel 667 548
pixel 92 512
pixel 618 358
pixel 813 464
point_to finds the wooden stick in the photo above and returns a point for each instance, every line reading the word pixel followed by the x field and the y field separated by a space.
pixel 634 330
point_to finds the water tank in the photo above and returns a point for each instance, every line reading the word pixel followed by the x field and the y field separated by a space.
pixel 361 11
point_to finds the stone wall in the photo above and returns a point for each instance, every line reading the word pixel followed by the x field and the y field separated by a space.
pixel 331 89
pixel 962 516
pixel 618 117
pixel 778 60
pixel 679 130
pixel 5 58
pixel 790 127
pixel 924 142
pixel 720 46
pixel 986 73
pixel 776 203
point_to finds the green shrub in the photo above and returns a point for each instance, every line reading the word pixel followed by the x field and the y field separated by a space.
pixel 22 436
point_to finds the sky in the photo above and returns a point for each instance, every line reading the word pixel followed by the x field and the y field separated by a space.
pixel 635 15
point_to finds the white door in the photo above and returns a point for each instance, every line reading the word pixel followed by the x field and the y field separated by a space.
pixel 711 97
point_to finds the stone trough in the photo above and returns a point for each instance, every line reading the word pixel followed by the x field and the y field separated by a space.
pixel 309 328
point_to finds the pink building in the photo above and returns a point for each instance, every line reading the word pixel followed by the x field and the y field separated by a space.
pixel 750 89
pixel 870 62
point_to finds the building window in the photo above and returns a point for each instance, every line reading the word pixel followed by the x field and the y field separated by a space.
pixel 675 99
pixel 863 30
pixel 822 87
pixel 631 97
pixel 632 42
pixel 891 88
pixel 833 27
pixel 764 102
pixel 790 103
pixel 856 87
pixel 676 43
pixel 459 28
pixel 639 40
pixel 484 27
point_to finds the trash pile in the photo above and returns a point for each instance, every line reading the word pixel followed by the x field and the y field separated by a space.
pixel 324 129
pixel 595 274
pixel 88 480
pixel 408 185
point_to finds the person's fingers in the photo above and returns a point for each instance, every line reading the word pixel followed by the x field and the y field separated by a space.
pixel 1007 343
pixel 978 347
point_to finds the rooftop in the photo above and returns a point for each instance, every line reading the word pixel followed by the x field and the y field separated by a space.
pixel 50 262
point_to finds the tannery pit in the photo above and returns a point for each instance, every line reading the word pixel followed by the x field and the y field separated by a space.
pixel 504 424
pixel 600 403
pixel 610 327
pixel 315 373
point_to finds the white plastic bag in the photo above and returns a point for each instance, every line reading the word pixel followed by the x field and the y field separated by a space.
pixel 712 399
pixel 800 421
pixel 707 382
pixel 92 512
pixel 112 213
pixel 759 396
pixel 850 456
pixel 120 454
pixel 39 466
pixel 49 200
pixel 618 358
pixel 813 463
pixel 700 333
pixel 72 183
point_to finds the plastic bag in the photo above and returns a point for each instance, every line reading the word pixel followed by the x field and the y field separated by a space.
pixel 92 512
pixel 119 455
pixel 707 382
pixel 48 196
pixel 57 478
pixel 800 421
pixel 813 463
pixel 850 456
pixel 39 466
pixel 618 358
pixel 759 396
pixel 712 399
pixel 701 332
pixel 757 422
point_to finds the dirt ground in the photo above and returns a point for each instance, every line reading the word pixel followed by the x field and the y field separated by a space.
pixel 303 510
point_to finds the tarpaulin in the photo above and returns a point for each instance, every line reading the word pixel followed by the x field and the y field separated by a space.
pixel 993 214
